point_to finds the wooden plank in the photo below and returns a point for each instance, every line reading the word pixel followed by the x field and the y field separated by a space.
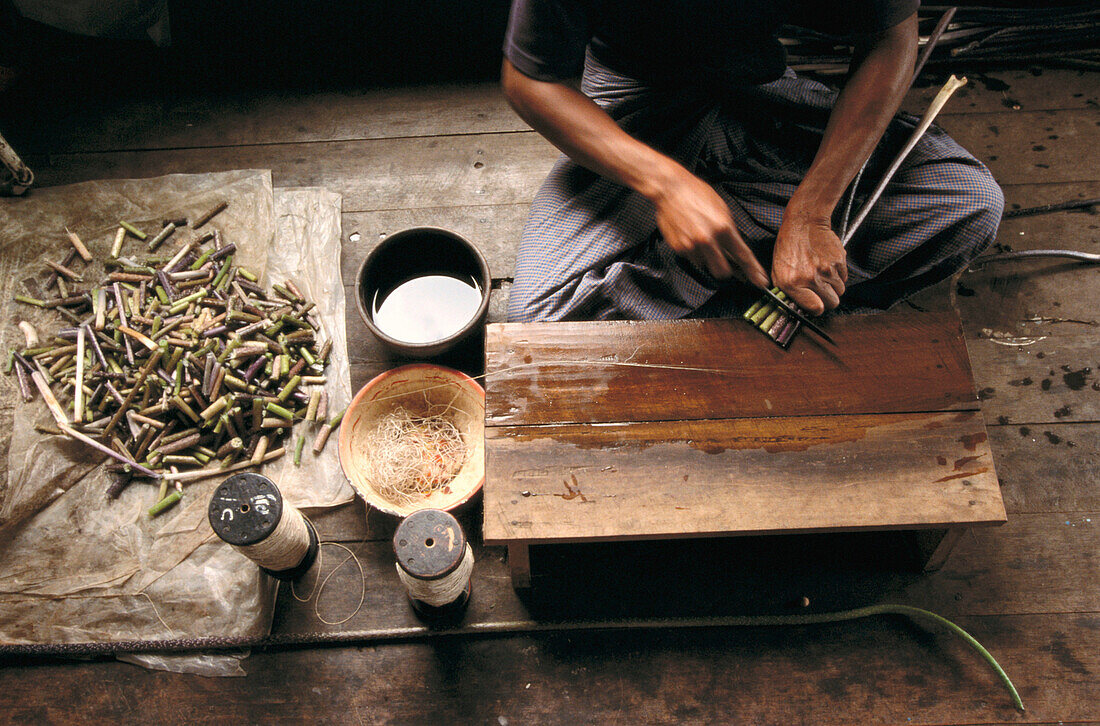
pixel 881 670
pixel 1033 89
pixel 707 478
pixel 702 369
pixel 1017 148
pixel 1049 381
pixel 400 173
pixel 1048 467
pixel 250 117
pixel 493 229
pixel 1040 297
pixel 263 117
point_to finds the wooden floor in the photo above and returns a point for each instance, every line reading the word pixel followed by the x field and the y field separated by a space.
pixel 455 156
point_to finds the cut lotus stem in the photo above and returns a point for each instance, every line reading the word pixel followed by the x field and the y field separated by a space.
pixel 165 504
pixel 162 235
pixel 79 246
pixel 27 300
pixel 139 337
pixel 219 471
pixel 314 402
pixel 218 209
pixel 64 271
pixel 280 411
pixel 132 229
pixel 289 388
pixel 78 389
pixel 25 390
pixel 261 450
pixel 298 449
pixel 30 334
pixel 116 247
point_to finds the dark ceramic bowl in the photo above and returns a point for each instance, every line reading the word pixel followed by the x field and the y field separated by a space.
pixel 411 253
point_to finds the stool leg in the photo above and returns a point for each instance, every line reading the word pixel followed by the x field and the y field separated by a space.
pixel 519 562
pixel 935 552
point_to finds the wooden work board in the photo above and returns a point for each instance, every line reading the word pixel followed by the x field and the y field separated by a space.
pixel 599 431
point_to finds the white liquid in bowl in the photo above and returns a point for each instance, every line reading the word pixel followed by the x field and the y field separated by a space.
pixel 427 308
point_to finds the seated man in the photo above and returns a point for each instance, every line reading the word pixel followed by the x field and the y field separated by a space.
pixel 695 156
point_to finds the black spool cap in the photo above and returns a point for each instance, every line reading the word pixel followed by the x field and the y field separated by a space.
pixel 246 508
pixel 429 544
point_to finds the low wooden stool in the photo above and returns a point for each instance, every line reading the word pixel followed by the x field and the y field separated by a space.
pixel 703 428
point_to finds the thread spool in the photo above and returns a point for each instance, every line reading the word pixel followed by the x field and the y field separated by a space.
pixel 247 511
pixel 434 562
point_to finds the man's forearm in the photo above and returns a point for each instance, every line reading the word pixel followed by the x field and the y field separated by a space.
pixel 583 131
pixel 862 112
pixel 693 219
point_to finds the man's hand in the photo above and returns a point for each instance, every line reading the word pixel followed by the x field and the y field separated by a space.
pixel 809 264
pixel 696 223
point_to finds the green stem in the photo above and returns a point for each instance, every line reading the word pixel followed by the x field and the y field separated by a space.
pixel 884 609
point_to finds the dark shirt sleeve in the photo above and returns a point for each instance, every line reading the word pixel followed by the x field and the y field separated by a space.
pixel 546 38
pixel 856 17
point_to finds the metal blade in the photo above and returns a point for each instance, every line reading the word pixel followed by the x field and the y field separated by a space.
pixel 797 315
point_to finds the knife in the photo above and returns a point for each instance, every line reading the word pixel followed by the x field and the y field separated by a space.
pixel 786 307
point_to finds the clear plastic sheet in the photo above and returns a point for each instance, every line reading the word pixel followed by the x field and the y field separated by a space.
pixel 77 567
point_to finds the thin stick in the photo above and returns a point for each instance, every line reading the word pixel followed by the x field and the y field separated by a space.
pixel 221 206
pixel 204 473
pixel 78 389
pixel 934 38
pixel 116 248
pixel 953 84
pixel 1048 208
pixel 79 246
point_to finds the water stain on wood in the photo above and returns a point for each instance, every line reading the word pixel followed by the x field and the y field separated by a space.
pixel 1021 382
pixel 971 441
pixel 962 475
pixel 960 463
pixel 1053 437
pixel 1063 412
pixel 1076 380
pixel 941 460
pixel 572 492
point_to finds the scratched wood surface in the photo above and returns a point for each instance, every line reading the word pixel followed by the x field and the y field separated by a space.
pixel 702 369
pixel 744 476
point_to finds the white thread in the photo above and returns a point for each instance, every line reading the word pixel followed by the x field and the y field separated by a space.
pixel 446 589
pixel 286 547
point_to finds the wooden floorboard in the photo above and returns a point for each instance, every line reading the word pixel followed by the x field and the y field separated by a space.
pixel 264 117
pixel 399 173
pixel 1038 89
pixel 883 670
pixel 1053 381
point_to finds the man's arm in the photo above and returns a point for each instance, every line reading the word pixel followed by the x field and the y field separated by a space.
pixel 694 221
pixel 809 264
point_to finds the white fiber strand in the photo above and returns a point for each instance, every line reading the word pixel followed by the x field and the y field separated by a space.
pixel 284 548
pixel 446 589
